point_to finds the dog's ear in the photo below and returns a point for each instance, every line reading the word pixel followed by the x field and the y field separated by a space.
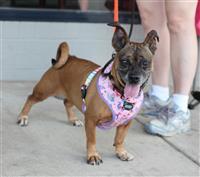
pixel 120 37
pixel 150 41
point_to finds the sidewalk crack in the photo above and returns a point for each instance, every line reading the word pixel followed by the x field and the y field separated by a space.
pixel 181 151
pixel 174 146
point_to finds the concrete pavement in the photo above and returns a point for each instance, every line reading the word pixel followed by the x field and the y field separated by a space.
pixel 50 146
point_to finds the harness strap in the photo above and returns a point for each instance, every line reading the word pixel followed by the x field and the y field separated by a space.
pixel 85 86
pixel 106 65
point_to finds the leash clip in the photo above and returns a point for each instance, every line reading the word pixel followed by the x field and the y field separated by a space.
pixel 83 96
pixel 83 91
pixel 113 55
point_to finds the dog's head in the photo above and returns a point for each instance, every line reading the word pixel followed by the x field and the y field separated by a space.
pixel 133 61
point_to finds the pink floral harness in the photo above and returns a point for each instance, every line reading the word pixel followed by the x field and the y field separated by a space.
pixel 123 109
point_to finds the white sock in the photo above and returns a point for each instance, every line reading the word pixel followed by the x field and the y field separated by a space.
pixel 181 101
pixel 160 92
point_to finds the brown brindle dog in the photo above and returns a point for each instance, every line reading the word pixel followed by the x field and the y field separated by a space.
pixel 132 65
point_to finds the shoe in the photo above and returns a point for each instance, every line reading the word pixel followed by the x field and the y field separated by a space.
pixel 171 121
pixel 152 105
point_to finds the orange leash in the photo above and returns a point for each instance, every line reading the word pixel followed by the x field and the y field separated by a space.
pixel 116 11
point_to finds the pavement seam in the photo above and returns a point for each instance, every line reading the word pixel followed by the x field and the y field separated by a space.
pixel 174 147
pixel 180 151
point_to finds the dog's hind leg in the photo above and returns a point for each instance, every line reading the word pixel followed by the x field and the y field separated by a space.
pixel 44 88
pixel 35 97
pixel 71 115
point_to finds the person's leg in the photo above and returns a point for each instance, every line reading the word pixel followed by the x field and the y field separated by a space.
pixel 153 16
pixel 175 117
pixel 183 47
pixel 83 5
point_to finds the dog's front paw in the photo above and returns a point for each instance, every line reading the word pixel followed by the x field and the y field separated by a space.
pixel 124 156
pixel 94 160
pixel 22 121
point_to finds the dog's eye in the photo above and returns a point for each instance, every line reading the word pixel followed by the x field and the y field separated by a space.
pixel 125 62
pixel 144 63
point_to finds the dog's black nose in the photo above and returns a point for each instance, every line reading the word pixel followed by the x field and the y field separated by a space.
pixel 134 79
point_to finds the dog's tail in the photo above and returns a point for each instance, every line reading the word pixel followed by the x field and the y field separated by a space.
pixel 61 56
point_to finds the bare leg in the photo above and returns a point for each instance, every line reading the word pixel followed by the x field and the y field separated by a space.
pixel 181 16
pixel 183 53
pixel 92 156
pixel 83 5
pixel 120 151
pixel 71 115
pixel 153 17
